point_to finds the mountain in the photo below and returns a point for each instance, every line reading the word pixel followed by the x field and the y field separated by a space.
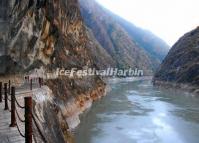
pixel 153 45
pixel 128 45
pixel 39 37
pixel 181 65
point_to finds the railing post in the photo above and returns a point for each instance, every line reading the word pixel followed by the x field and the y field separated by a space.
pixel 9 87
pixel 1 92
pixel 13 118
pixel 39 82
pixel 28 119
pixel 31 84
pixel 5 96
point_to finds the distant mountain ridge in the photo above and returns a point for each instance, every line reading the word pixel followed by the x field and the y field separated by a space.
pixel 155 46
pixel 181 65
pixel 126 44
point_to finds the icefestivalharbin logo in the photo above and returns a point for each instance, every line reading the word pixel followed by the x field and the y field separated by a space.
pixel 109 72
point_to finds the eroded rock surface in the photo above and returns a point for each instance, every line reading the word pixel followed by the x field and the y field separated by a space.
pixel 46 35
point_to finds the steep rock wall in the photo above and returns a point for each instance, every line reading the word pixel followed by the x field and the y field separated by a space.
pixel 46 35
pixel 180 67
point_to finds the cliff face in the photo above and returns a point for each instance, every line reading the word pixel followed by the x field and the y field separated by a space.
pixel 5 7
pixel 128 45
pixel 43 35
pixel 181 64
pixel 46 35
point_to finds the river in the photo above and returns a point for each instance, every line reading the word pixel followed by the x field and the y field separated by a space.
pixel 138 112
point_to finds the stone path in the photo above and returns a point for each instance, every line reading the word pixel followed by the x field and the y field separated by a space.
pixel 7 134
pixel 11 134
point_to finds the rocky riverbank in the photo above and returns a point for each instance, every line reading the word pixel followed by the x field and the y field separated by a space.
pixel 193 90
pixel 57 117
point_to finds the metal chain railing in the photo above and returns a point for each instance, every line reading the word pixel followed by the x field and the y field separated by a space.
pixel 21 134
pixel 10 91
pixel 20 119
pixel 39 130
pixel 13 117
pixel 22 107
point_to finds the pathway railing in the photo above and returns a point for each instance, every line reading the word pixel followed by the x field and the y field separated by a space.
pixel 9 91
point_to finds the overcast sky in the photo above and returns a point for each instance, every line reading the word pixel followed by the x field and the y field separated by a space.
pixel 168 19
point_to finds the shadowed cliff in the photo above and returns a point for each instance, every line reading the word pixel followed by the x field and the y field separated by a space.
pixel 181 64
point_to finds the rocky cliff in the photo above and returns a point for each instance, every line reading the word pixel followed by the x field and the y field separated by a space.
pixel 41 36
pixel 180 67
pixel 128 45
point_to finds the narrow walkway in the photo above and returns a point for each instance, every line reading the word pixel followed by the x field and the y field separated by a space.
pixel 11 134
pixel 7 134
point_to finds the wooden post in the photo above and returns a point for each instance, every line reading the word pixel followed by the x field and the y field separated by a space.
pixel 13 108
pixel 9 84
pixel 31 84
pixel 28 119
pixel 39 82
pixel 5 96
pixel 1 100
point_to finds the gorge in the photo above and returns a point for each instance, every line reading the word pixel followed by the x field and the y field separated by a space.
pixel 38 37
